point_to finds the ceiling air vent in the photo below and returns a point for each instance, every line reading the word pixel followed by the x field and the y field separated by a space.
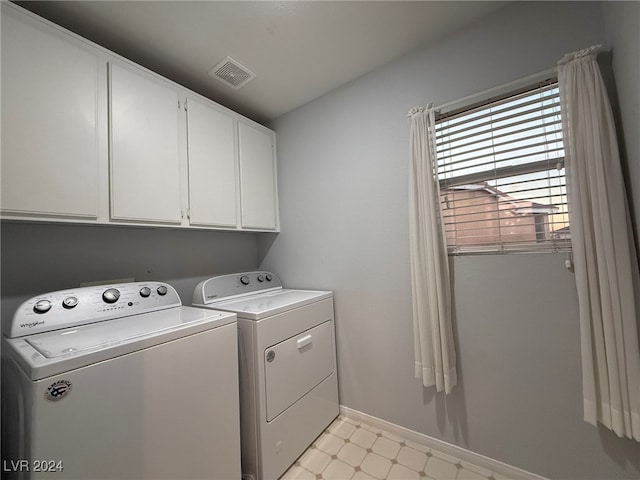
pixel 232 73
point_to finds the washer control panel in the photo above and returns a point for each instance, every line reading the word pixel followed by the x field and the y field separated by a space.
pixel 79 306
pixel 226 286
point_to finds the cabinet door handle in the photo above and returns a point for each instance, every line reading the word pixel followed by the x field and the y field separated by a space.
pixel 304 341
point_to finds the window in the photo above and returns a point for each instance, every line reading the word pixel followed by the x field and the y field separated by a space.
pixel 500 165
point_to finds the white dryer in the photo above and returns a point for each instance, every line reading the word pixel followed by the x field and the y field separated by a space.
pixel 288 378
pixel 120 382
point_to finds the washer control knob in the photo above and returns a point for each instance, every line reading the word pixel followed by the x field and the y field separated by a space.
pixel 269 277
pixel 111 295
pixel 145 292
pixel 244 279
pixel 70 302
pixel 162 290
pixel 42 306
pixel 261 278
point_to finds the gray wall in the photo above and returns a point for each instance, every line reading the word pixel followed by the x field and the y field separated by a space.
pixel 622 21
pixel 38 258
pixel 343 176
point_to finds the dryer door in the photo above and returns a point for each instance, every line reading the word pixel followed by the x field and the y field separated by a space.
pixel 296 365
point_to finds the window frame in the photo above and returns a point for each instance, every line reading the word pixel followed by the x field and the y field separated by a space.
pixel 495 97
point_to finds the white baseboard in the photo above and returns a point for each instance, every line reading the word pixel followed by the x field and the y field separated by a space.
pixel 487 465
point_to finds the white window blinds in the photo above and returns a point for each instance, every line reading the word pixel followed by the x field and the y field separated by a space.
pixel 501 172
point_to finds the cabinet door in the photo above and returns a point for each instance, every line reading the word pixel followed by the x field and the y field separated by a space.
pixel 145 157
pixel 257 177
pixel 49 123
pixel 212 166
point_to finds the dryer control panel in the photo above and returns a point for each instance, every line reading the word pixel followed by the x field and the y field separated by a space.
pixel 236 284
pixel 79 306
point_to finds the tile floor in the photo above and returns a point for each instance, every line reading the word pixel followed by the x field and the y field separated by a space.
pixel 348 449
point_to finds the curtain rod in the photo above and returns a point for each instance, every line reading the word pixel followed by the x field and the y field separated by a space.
pixel 487 95
pixel 515 87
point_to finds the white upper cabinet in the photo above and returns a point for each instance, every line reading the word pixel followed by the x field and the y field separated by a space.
pixel 257 177
pixel 145 157
pixel 90 137
pixel 49 123
pixel 213 178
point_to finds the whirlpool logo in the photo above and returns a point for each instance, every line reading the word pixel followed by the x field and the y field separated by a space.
pixel 31 324
pixel 58 390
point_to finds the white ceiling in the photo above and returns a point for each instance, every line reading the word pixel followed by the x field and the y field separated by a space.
pixel 298 49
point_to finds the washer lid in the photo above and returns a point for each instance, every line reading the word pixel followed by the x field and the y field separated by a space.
pixel 45 354
pixel 261 305
pixel 102 335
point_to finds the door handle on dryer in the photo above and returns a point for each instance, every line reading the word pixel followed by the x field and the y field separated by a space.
pixel 304 341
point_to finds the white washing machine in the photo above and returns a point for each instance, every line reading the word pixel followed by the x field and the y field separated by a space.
pixel 120 382
pixel 288 379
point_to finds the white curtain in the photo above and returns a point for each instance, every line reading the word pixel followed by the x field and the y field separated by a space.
pixel 435 355
pixel 606 267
